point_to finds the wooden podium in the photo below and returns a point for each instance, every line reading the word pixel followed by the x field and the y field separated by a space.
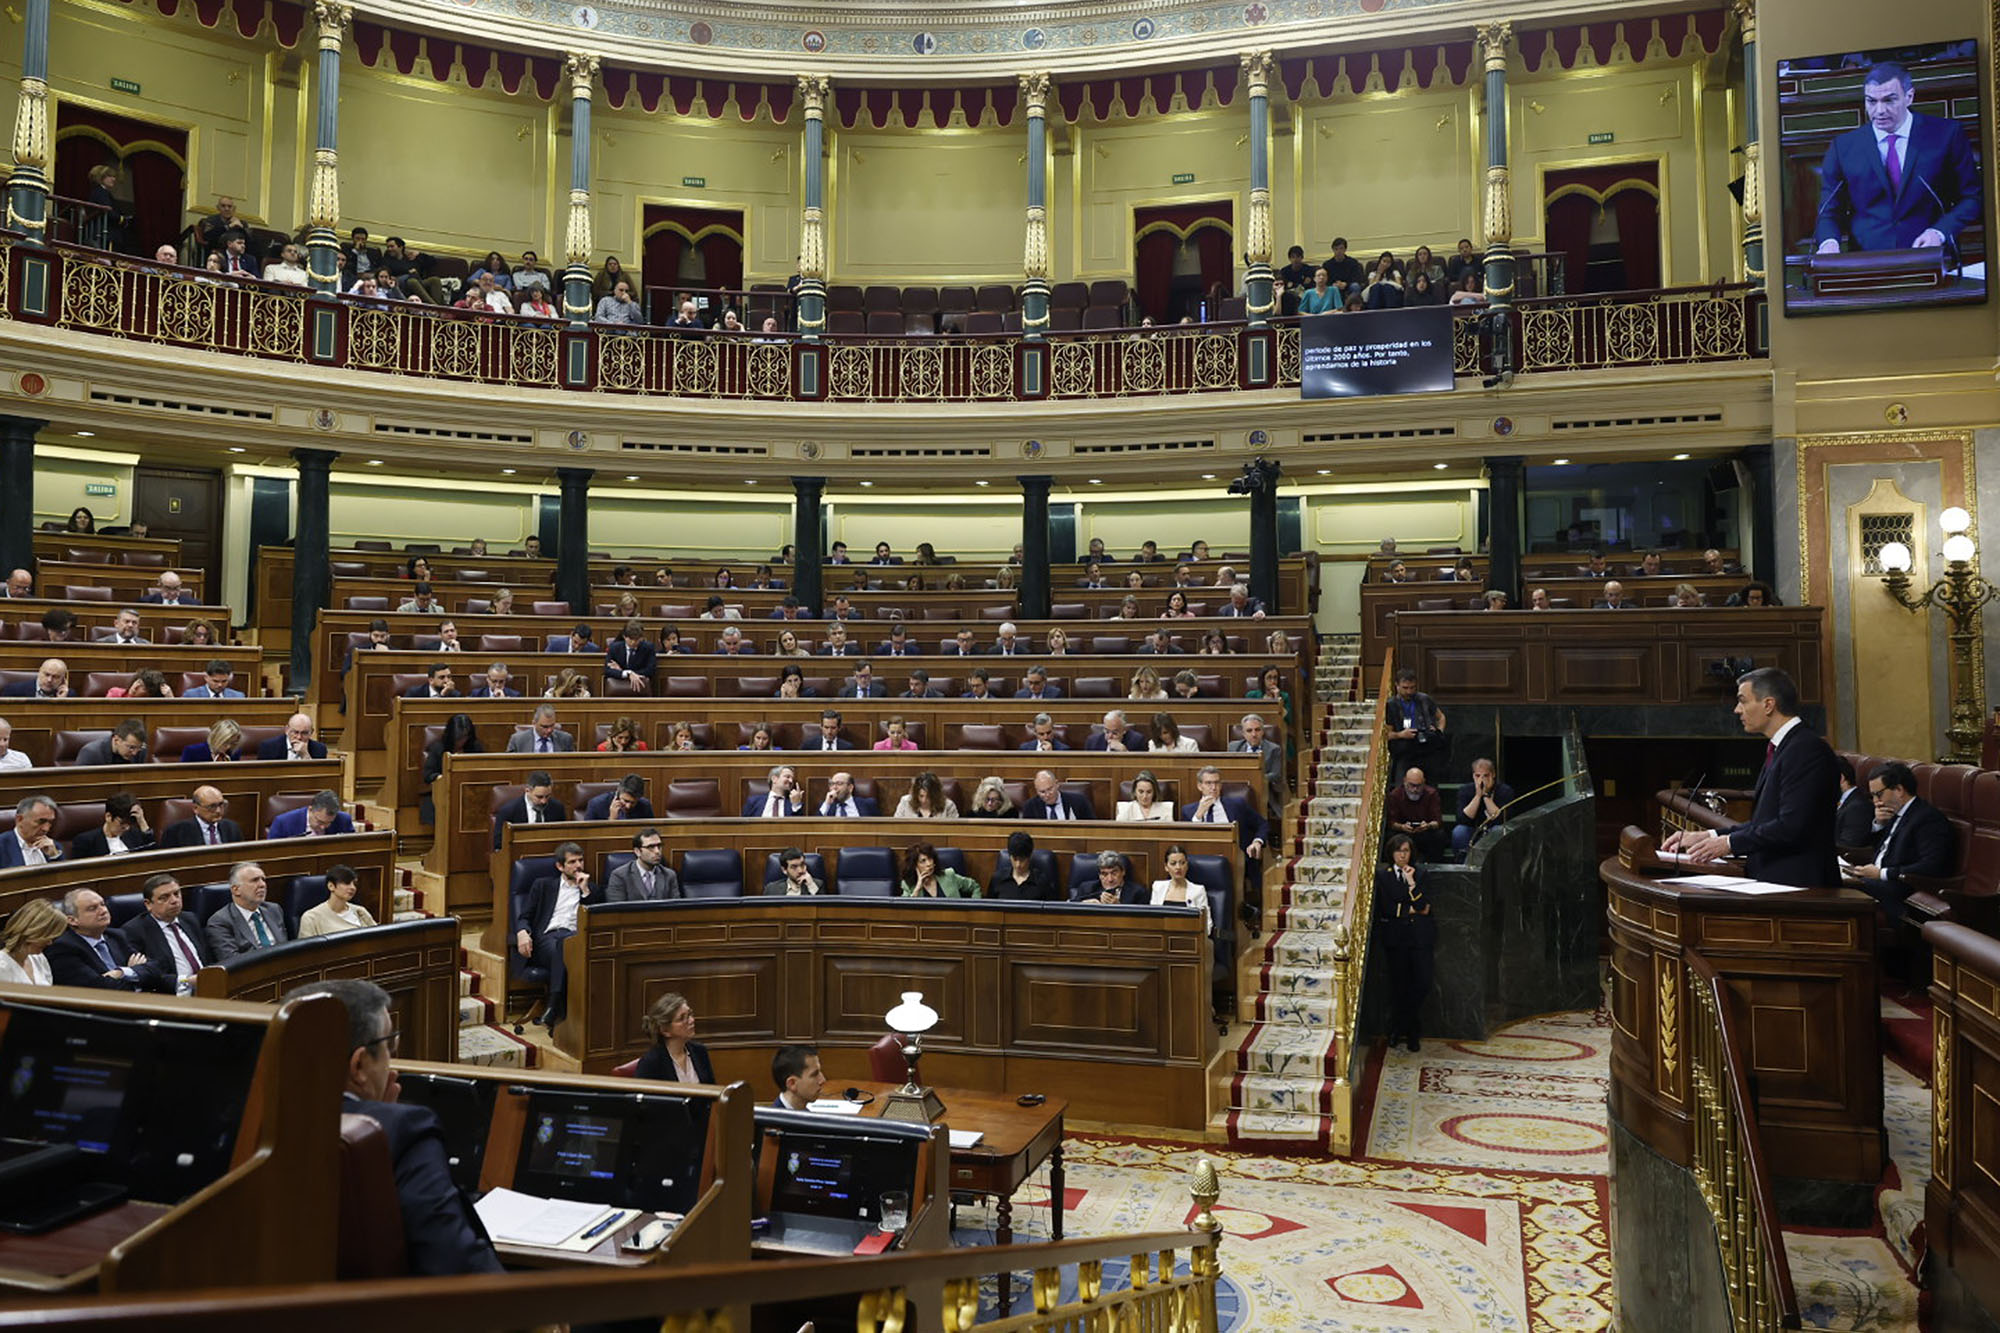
pixel 1803 966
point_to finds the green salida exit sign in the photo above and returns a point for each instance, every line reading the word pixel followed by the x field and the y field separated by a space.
pixel 1183 178
pixel 124 86
pixel 694 182
pixel 99 488
pixel 1603 136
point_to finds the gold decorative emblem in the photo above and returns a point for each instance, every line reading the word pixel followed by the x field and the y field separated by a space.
pixel 1669 1023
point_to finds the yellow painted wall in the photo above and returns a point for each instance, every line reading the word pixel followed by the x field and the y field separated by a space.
pixel 61 475
pixel 916 206
pixel 410 509
pixel 1120 167
pixel 640 159
pixel 1387 172
pixel 1353 524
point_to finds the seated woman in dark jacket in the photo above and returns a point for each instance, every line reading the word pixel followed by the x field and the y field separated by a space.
pixel 1019 877
pixel 458 737
pixel 674 1056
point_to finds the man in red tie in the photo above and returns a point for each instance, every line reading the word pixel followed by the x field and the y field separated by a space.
pixel 163 935
pixel 208 827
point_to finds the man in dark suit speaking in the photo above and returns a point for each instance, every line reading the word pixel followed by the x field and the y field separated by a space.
pixel 1900 182
pixel 1789 836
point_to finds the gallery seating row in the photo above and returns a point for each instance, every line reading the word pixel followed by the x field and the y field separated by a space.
pixel 94 617
pixel 257 791
pixel 107 548
pixel 102 581
pixel 1382 602
pixel 51 731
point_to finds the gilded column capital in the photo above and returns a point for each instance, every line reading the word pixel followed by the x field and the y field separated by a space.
pixel 815 89
pixel 1257 67
pixel 323 197
pixel 1746 19
pixel 577 242
pixel 334 19
pixel 1496 40
pixel 1035 92
pixel 1499 207
pixel 1035 251
pixel 582 70
pixel 812 244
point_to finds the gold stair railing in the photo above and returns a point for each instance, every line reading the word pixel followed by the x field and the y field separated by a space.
pixel 926 1290
pixel 1351 936
pixel 1728 1160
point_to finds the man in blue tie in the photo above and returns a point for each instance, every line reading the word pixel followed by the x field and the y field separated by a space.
pixel 96 954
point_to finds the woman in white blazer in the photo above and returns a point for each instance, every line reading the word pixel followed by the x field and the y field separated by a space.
pixel 1145 807
pixel 30 930
pixel 1177 890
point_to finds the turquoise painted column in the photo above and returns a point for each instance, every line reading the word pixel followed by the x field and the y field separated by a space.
pixel 28 184
pixel 1753 152
pixel 1495 42
pixel 811 295
pixel 577 241
pixel 323 200
pixel 1035 255
pixel 1258 286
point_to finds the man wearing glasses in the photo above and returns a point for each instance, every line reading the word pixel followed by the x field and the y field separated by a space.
pixel 645 878
pixel 441 1233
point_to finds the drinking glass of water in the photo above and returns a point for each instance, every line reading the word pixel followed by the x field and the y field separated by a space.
pixel 895 1210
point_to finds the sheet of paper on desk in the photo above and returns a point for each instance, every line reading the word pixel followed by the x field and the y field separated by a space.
pixel 1707 881
pixel 525 1219
pixel 966 1138
pixel 834 1106
pixel 1748 887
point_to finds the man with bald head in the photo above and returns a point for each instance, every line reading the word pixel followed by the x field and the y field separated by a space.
pixel 296 743
pixel 20 583
pixel 94 953
pixel 168 592
pixel 1116 734
pixel 51 682
pixel 207 827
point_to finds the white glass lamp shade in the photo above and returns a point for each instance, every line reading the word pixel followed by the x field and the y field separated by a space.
pixel 1958 548
pixel 912 1015
pixel 1894 557
pixel 1954 521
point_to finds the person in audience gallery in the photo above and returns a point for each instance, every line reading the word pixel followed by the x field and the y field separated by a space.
pixel 796 1071
pixel 339 912
pixel 297 743
pixel 33 927
pixel 627 800
pixel 320 817
pixel 543 735
pixel 97 955
pixel 926 799
pixel 794 878
pixel 535 805
pixel 990 800
pixel 1111 889
pixel 1017 877
pixel 607 279
pixel 782 799
pixel 924 877
pixel 1177 890
pixel 1408 929
pixel 125 745
pixel 618 307
pixel 551 916
pixel 224 745
pixel 208 826
pixel 646 877
pixel 1145 807
pixel 248 923
pixel 51 682
pixel 674 1056
pixel 1321 298
pixel 124 830
pixel 11 758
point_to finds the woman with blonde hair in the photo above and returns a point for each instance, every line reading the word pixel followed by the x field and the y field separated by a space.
pixel 33 927
pixel 991 801
pixel 1146 686
pixel 224 744
pixel 1059 642
pixel 571 684
pixel 788 644
pixel 623 736
pixel 675 1056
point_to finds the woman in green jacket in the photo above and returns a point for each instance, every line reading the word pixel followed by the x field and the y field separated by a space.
pixel 923 877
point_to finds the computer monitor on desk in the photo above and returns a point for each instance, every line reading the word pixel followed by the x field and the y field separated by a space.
pixel 823 1178
pixel 638 1150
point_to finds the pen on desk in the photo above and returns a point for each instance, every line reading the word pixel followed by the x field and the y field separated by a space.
pixel 605 1225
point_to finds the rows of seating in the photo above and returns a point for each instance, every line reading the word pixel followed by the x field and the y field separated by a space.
pixel 100 555
pixel 99 684
pixel 756 604
pixel 257 791
pixel 991 308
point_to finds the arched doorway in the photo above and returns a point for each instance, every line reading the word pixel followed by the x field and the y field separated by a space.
pixel 152 164
pixel 1182 257
pixel 1605 223
pixel 692 250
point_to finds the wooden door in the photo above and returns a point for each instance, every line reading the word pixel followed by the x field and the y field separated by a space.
pixel 186 504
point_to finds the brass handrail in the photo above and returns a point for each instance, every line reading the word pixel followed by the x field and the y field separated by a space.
pixel 1728 1157
pixel 1351 936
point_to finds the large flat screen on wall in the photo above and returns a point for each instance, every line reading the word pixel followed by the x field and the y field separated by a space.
pixel 1359 355
pixel 1882 171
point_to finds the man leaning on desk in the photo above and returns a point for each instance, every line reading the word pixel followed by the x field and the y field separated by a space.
pixel 442 1235
pixel 1900 182
pixel 1788 838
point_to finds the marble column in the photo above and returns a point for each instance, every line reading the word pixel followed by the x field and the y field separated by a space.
pixel 1495 42
pixel 1504 477
pixel 1034 590
pixel 573 540
pixel 1035 256
pixel 1753 172
pixel 814 90
pixel 28 185
pixel 1264 534
pixel 312 574
pixel 1258 283
pixel 323 200
pixel 1762 506
pixel 808 544
pixel 577 243
pixel 17 493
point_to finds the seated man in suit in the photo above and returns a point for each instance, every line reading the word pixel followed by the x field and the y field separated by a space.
pixel 318 818
pixel 1212 807
pixel 168 592
pixel 544 737
pixel 125 745
pixel 843 609
pixel 828 736
pixel 1614 597
pixel 125 630
pixel 96 954
pixel 1116 734
pixel 883 556
pixel 863 685
pixel 535 805
pixel 842 803
pixel 794 879
pixel 1901 182
pixel 447 636
pixel 789 609
pixel 898 644
pixel 837 643
pixel 1113 887
pixel 795 1069
pixel 439 686
pixel 495 684
pixel 1255 741
pixel 1035 685
pixel 207 826
pixel 172 940
pixel 1854 814
pixel 1043 737
pixel 216 685
pixel 29 842
pixel 442 1236
pixel 421 599
pixel 1241 603
pixel 630 658
pixel 551 918
pixel 248 923
pixel 920 687
pixel 646 877
pixel 578 640
pixel 51 682
pixel 1916 839
pixel 1007 641
pixel 733 644
pixel 625 801
pixel 978 685
pixel 20 583
pixel 784 800
pixel 296 743
pixel 1160 643
pixel 1597 567
pixel 959 645
pixel 124 830
pixel 1050 801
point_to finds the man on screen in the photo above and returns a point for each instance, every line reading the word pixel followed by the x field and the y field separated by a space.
pixel 1900 182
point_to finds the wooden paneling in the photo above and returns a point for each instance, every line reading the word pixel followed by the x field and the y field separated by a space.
pixel 128 583
pixel 1383 603
pixel 1962 1197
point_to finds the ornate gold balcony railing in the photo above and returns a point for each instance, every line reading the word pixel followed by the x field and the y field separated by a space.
pixel 90 291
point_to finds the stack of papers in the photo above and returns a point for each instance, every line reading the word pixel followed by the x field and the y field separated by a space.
pixel 1732 884
pixel 834 1106
pixel 514 1218
pixel 965 1138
